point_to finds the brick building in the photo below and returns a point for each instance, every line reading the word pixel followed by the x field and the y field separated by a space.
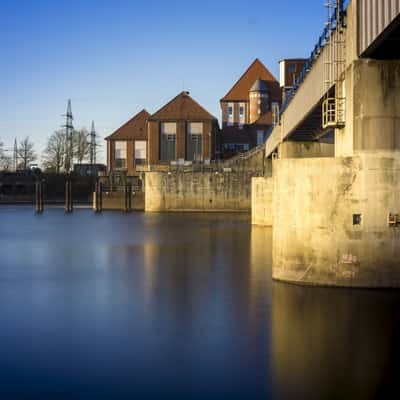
pixel 182 130
pixel 127 146
pixel 290 69
pixel 248 110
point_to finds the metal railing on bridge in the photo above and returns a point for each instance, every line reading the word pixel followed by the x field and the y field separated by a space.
pixel 337 18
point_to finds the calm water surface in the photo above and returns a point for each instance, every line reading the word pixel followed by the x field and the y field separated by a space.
pixel 179 306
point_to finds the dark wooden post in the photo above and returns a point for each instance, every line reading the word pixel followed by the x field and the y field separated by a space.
pixel 130 197
pixel 126 199
pixel 68 196
pixel 98 197
pixel 39 196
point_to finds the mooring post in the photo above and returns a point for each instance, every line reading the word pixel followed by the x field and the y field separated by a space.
pixel 97 197
pixel 68 196
pixel 126 198
pixel 100 197
pixel 39 196
pixel 130 197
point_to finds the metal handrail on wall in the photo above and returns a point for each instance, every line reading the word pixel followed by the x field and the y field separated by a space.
pixel 331 26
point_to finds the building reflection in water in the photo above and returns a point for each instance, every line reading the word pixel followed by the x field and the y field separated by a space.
pixel 334 343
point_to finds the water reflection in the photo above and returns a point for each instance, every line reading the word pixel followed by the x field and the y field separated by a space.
pixel 176 306
pixel 334 343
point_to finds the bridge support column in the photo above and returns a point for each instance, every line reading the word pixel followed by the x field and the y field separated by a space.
pixel 372 110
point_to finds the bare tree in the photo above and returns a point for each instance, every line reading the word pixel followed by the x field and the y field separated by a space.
pixel 5 160
pixel 2 153
pixel 54 154
pixel 6 163
pixel 26 153
pixel 81 145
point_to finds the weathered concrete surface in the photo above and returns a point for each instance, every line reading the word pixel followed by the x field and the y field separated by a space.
pixel 314 239
pixel 115 201
pixel 305 149
pixel 372 108
pixel 261 201
pixel 198 191
pixel 251 161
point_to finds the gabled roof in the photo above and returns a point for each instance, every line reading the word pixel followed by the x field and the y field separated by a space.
pixel 257 70
pixel 135 128
pixel 182 107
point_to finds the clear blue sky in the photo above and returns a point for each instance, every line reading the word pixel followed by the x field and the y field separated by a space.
pixel 116 57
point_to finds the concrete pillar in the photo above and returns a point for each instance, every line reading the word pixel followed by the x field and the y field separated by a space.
pixel 336 221
pixel 372 89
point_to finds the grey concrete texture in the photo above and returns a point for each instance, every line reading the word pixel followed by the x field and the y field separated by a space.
pixel 115 201
pixel 261 201
pixel 198 191
pixel 315 238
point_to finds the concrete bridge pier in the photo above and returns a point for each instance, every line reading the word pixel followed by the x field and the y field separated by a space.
pixel 336 220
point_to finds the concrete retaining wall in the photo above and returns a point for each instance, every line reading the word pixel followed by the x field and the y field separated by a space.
pixel 261 201
pixel 316 204
pixel 116 201
pixel 198 191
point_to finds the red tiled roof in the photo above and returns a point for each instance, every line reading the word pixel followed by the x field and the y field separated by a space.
pixel 182 107
pixel 135 128
pixel 257 70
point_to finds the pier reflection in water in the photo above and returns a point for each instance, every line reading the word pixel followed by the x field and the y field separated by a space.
pixel 176 306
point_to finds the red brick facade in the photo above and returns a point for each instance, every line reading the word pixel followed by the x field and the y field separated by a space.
pixel 181 113
pixel 247 113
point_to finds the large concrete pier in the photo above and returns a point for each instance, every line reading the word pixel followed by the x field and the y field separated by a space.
pixel 335 207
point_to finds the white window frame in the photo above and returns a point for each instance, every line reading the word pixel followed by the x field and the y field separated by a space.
pixel 230 117
pixel 121 153
pixel 242 117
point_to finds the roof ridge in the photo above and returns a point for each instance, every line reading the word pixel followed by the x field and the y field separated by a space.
pixel 256 61
pixel 181 94
pixel 136 116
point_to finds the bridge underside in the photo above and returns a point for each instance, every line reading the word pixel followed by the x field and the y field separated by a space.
pixel 387 45
pixel 310 129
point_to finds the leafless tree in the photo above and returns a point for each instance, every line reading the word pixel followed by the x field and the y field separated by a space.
pixel 54 154
pixel 5 160
pixel 26 153
pixel 81 145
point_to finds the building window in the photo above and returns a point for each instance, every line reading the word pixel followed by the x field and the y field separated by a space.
pixel 140 152
pixel 120 154
pixel 260 137
pixel 230 113
pixel 241 114
pixel 291 69
pixel 168 141
pixel 194 145
pixel 236 147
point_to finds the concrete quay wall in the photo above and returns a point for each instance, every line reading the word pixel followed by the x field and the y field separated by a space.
pixel 198 191
pixel 336 221
pixel 261 201
pixel 115 201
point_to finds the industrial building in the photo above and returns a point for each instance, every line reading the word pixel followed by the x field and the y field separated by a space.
pixel 181 132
